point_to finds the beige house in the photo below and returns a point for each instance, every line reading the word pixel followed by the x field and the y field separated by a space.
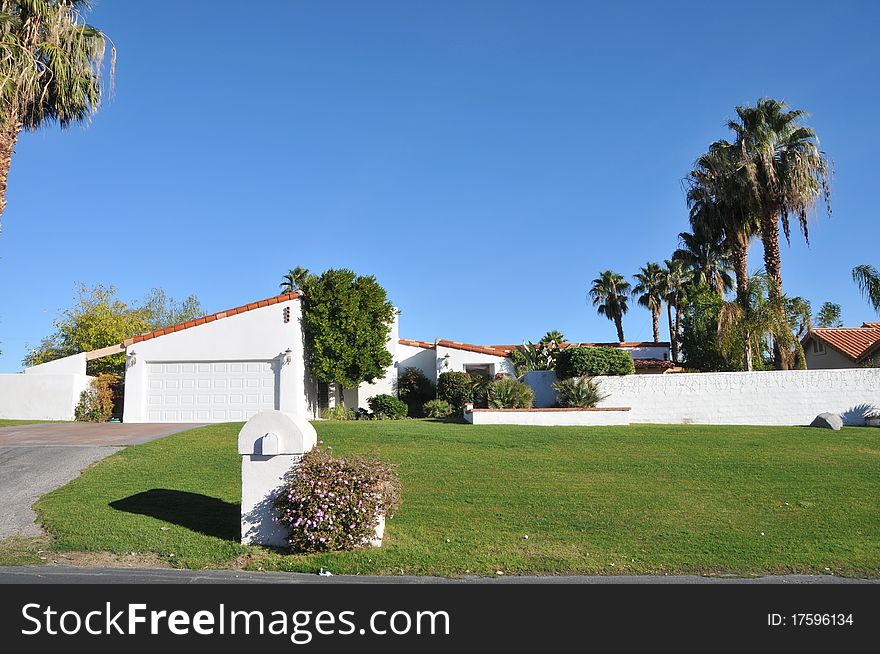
pixel 843 347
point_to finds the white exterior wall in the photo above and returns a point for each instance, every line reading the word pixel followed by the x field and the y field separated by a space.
pixel 458 359
pixel 410 356
pixel 541 382
pixel 256 335
pixel 45 396
pixel 648 352
pixel 74 364
pixel 386 385
pixel 791 397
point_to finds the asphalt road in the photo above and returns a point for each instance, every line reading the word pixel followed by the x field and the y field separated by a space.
pixel 40 457
pixel 73 575
pixel 29 471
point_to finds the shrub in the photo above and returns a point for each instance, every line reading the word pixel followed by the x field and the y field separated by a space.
pixel 509 393
pixel 96 403
pixel 437 409
pixel 414 388
pixel 578 392
pixel 338 412
pixel 591 361
pixel 457 388
pixel 387 407
pixel 335 504
pixel 480 386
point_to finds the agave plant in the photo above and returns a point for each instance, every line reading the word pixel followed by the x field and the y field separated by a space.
pixel 578 392
pixel 509 393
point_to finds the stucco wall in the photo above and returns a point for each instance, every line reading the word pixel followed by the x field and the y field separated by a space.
pixel 831 359
pixel 74 364
pixel 409 356
pixel 792 397
pixel 46 396
pixel 458 359
pixel 256 335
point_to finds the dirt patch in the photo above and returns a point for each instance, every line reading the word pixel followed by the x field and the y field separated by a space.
pixel 107 560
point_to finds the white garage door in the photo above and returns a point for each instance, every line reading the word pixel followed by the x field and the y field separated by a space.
pixel 209 392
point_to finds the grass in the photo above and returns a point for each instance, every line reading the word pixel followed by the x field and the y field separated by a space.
pixel 14 423
pixel 615 500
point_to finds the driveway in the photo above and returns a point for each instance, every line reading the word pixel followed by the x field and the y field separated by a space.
pixel 38 458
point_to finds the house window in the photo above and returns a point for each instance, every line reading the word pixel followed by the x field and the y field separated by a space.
pixel 323 395
pixel 818 347
pixel 484 370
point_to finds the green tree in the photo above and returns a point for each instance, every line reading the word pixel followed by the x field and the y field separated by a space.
pixel 868 280
pixel 787 175
pixel 648 292
pixel 347 320
pixel 294 280
pixel 99 319
pixel 699 333
pixel 51 65
pixel 609 292
pixel 829 315
pixel 706 254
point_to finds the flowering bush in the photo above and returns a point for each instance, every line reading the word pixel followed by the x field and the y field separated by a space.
pixel 334 504
pixel 96 403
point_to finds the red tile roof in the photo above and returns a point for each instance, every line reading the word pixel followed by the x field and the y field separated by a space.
pixel 493 350
pixel 423 344
pixel 624 344
pixel 653 363
pixel 855 342
pixel 211 318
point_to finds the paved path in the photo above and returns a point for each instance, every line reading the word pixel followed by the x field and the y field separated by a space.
pixel 38 458
pixel 72 575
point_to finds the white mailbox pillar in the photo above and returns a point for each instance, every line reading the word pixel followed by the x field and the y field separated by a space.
pixel 270 444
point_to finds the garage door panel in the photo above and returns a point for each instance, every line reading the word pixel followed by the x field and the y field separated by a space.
pixel 209 392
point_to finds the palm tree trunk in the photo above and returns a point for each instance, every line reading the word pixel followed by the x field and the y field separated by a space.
pixel 677 341
pixel 740 256
pixel 773 267
pixel 618 322
pixel 655 314
pixel 8 136
pixel 672 340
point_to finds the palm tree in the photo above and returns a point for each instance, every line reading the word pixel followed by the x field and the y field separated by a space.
pixel 786 174
pixel 675 282
pixel 294 280
pixel 706 254
pixel 758 326
pixel 714 194
pixel 868 279
pixel 648 292
pixel 51 65
pixel 609 294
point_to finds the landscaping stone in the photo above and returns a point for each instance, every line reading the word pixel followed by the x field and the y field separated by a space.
pixel 828 421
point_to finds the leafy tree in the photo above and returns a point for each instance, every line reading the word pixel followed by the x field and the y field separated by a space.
pixel 98 319
pixel 829 315
pixel 699 333
pixel 868 280
pixel 648 292
pixel 346 321
pixel 51 64
pixel 609 293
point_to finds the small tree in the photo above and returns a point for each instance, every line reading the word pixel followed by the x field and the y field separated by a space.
pixel 829 315
pixel 346 322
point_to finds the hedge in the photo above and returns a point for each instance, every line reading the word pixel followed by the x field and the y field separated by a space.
pixel 584 361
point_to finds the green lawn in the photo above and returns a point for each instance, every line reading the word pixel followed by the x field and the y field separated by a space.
pixel 13 423
pixel 614 500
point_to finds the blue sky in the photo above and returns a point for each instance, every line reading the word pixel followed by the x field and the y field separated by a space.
pixel 483 159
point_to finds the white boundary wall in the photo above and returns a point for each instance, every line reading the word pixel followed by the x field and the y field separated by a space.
pixel 44 396
pixel 791 397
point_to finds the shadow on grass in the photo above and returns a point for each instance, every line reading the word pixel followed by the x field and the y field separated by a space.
pixel 200 513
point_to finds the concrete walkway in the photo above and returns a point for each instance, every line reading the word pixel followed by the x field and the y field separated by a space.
pixel 73 575
pixel 38 458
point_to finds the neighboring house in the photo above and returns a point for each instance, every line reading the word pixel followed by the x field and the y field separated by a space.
pixel 489 360
pixel 843 347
